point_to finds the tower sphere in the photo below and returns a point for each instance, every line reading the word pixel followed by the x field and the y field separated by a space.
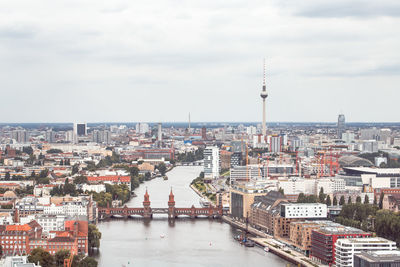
pixel 264 94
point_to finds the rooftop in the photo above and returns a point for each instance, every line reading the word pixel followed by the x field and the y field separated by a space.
pixel 370 240
pixel 340 230
pixel 392 256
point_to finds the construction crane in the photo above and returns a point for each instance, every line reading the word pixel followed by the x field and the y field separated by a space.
pixel 68 261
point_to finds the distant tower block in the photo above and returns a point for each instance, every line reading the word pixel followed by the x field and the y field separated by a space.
pixel 189 129
pixel 159 139
pixel 341 125
pixel 264 95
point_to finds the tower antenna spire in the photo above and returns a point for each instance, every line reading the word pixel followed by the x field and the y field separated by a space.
pixel 264 95
pixel 264 76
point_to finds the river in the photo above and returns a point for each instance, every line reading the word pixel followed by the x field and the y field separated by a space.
pixel 187 242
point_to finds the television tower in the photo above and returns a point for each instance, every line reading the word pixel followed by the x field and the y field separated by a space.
pixel 264 95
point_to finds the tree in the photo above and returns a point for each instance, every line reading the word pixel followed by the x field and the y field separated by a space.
pixel 75 169
pixel 81 180
pixel 322 195
pixel 381 200
pixel 341 201
pixel 134 171
pixel 328 201
pixel 54 151
pixel 94 236
pixel 7 176
pixel 281 191
pixel 44 173
pixel 28 150
pixel 349 200
pixel 335 201
pixel 366 199
pixel 60 256
pixel 41 256
pixel 69 189
pixel 88 262
pixel 162 168
pixel 358 199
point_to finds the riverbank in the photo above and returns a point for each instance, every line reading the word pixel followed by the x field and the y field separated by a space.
pixel 264 240
pixel 201 195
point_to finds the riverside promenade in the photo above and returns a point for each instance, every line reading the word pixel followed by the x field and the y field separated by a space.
pixel 264 240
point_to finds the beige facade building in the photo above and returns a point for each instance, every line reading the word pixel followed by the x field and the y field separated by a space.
pixel 241 199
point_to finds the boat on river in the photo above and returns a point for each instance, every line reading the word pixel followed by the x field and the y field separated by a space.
pixel 204 203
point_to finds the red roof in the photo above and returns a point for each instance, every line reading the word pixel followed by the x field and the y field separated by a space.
pixel 24 228
pixel 109 178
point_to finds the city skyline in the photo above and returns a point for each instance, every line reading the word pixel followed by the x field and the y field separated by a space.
pixel 120 62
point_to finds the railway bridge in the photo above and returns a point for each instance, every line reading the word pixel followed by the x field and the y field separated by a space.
pixel 173 212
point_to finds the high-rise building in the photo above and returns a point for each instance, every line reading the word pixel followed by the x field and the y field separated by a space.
pixel 264 95
pixel 159 134
pixel 50 136
pixel 211 162
pixel 369 134
pixel 101 136
pixel 71 137
pixel 142 128
pixel 341 126
pixel 21 136
pixel 80 129
pixel 276 144
pixel 204 133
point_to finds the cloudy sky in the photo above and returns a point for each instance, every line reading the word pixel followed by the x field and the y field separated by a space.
pixel 94 61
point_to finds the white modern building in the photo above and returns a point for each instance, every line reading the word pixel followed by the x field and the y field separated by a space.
pixel 304 210
pixel 345 248
pixel 255 171
pixel 211 162
pixel 276 144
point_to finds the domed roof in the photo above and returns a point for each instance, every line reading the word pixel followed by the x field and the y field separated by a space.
pixel 10 194
pixel 354 161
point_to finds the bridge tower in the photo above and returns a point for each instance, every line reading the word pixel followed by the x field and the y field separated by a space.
pixel 146 206
pixel 171 205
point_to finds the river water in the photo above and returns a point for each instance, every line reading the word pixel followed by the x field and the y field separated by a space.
pixel 187 242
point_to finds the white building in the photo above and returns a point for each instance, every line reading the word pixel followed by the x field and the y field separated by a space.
pixel 6 218
pixel 251 130
pixel 295 186
pixel 93 187
pixel 370 146
pixel 304 210
pixel 17 261
pixel 51 222
pixel 67 208
pixel 43 190
pixel 347 247
pixel 211 162
pixel 330 185
pixel 348 137
pixel 276 144
pixel 142 128
pixel 256 172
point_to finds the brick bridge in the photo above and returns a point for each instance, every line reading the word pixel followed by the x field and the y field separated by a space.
pixel 172 211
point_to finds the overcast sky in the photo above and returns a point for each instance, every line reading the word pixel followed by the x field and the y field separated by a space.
pixel 96 61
